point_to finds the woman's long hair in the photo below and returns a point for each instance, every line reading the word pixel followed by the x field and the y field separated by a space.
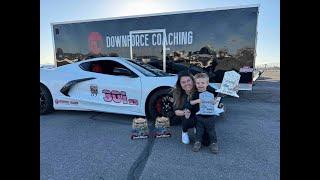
pixel 178 92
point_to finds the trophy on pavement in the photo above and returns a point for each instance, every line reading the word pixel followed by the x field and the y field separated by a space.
pixel 162 127
pixel 139 128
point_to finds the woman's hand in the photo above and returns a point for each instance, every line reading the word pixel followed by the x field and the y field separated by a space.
pixel 179 112
pixel 187 113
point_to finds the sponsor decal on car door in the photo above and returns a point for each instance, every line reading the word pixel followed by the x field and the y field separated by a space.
pixel 120 93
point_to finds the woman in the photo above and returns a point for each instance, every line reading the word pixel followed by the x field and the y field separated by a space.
pixel 182 92
pixel 183 111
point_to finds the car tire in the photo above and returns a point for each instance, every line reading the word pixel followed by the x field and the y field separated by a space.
pixel 46 102
pixel 161 104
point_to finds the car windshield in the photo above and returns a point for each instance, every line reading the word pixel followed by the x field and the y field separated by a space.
pixel 147 69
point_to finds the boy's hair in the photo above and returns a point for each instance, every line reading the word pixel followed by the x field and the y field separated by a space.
pixel 201 75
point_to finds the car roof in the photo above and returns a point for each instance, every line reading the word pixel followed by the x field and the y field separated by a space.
pixel 101 58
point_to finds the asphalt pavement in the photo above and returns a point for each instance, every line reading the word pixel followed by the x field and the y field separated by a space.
pixel 93 145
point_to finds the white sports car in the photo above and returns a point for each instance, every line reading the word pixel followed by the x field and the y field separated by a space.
pixel 106 84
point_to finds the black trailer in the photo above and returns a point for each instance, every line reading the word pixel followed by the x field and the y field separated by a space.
pixel 209 40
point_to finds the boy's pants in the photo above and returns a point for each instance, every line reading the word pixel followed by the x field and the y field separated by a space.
pixel 206 124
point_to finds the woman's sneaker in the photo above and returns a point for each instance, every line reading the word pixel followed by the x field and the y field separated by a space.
pixel 185 138
pixel 196 147
pixel 214 148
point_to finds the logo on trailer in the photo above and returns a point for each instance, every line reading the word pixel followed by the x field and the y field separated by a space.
pixel 95 42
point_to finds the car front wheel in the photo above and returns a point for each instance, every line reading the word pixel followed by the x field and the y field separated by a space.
pixel 161 104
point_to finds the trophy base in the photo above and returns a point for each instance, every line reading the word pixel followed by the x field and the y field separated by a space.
pixel 161 132
pixel 164 135
pixel 139 137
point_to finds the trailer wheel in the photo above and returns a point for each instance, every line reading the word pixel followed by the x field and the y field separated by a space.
pixel 161 104
pixel 46 102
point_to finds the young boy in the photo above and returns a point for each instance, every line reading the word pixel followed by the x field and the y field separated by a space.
pixel 204 122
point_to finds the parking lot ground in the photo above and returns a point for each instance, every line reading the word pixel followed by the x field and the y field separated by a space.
pixel 91 145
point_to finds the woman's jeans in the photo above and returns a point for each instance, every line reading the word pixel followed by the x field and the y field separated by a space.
pixel 186 123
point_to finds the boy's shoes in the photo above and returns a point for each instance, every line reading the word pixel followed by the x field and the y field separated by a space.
pixel 214 148
pixel 185 138
pixel 196 147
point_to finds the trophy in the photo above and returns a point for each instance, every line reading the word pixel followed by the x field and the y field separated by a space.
pixel 139 128
pixel 230 84
pixel 162 127
pixel 206 106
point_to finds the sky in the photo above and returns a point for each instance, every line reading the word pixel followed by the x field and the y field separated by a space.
pixel 268 39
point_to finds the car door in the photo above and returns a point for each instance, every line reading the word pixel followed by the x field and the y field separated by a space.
pixel 110 91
